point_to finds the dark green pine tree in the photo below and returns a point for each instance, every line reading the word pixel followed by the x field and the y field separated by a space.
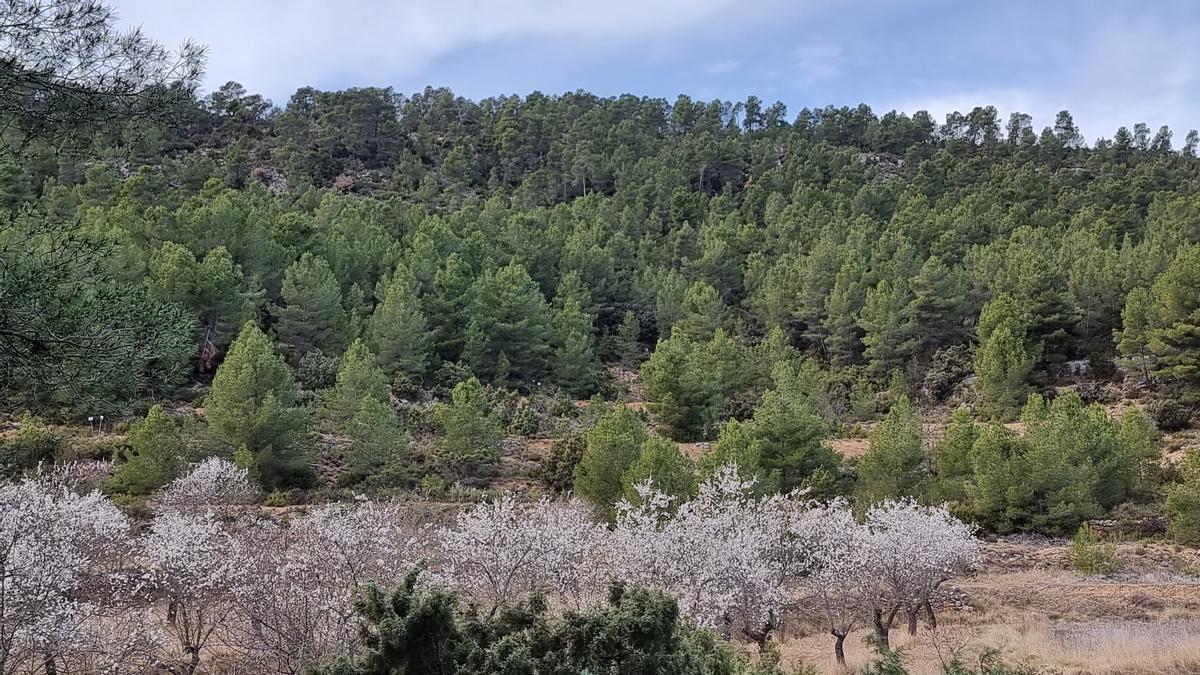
pixel 1175 331
pixel 154 458
pixel 254 403
pixel 574 365
pixel 895 464
pixel 359 376
pixel 1002 359
pixel 845 301
pixel 613 445
pixel 887 332
pixel 312 316
pixel 448 307
pixel 513 317
pixel 397 331
pixel 702 312
pixel 938 312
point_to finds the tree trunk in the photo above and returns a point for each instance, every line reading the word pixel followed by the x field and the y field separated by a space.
pixel 930 618
pixel 194 662
pixel 49 664
pixel 881 629
pixel 839 648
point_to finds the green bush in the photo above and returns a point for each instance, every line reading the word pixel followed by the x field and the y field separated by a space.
pixel 524 420
pixel 316 370
pixel 1183 502
pixel 1092 553
pixel 1169 415
pixel 558 466
pixel 427 630
pixel 33 444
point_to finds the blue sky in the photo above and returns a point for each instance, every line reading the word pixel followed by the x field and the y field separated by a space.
pixel 1110 63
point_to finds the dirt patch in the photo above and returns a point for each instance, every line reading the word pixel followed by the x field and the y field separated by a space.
pixel 849 448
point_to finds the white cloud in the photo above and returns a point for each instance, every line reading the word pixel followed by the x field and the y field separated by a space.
pixel 275 47
pixel 1123 72
pixel 819 59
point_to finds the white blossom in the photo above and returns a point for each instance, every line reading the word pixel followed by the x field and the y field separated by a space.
pixel 212 482
pixel 192 563
pixel 716 554
pixel 916 548
pixel 297 606
pixel 505 549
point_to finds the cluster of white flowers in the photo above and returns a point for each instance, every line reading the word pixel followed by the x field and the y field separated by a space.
pixel 733 561
pixel 213 482
pixel 710 553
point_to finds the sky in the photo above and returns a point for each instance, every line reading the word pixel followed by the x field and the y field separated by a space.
pixel 1110 62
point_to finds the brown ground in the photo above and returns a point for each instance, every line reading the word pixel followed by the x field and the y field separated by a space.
pixel 1030 606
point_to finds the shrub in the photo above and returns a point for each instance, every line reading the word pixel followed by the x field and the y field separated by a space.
pixel 433 485
pixel 1169 415
pixel 415 629
pixel 1091 553
pixel 32 445
pixel 316 370
pixel 524 420
pixel 558 466
pixel 1183 502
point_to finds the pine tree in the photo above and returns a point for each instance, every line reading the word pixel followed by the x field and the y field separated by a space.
pixel 938 310
pixel 613 445
pixel 684 394
pixel 790 435
pixel 312 316
pixel 253 402
pixel 397 332
pixel 952 458
pixel 1175 328
pixel 1133 339
pixel 154 457
pixel 661 462
pixel 738 445
pixel 888 336
pixel 359 376
pixel 628 345
pixel 1002 361
pixel 895 465
pixel 448 307
pixel 469 431
pixel 513 316
pixel 378 445
pixel 702 312
pixel 842 308
pixel 1183 502
pixel 574 365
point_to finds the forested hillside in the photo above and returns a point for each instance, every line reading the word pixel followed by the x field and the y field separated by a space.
pixel 333 265
pixel 530 238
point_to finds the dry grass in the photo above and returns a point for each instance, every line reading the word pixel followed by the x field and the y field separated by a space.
pixel 1099 648
pixel 1103 648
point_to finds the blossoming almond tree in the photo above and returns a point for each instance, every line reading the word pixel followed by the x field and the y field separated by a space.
pixel 917 548
pixel 297 606
pixel 212 482
pixel 502 550
pixel 53 545
pixel 192 563
pixel 712 553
